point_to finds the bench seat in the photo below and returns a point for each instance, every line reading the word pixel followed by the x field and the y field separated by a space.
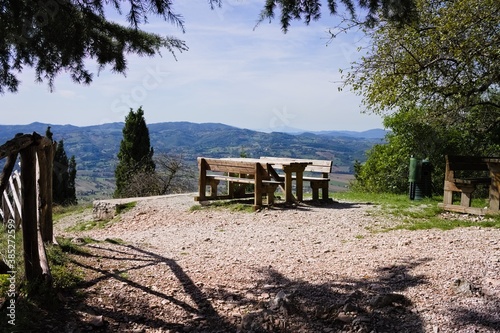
pixel 472 181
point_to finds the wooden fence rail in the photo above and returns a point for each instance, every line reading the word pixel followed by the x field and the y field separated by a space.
pixel 35 199
pixel 11 200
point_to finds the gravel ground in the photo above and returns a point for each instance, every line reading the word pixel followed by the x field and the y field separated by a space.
pixel 309 268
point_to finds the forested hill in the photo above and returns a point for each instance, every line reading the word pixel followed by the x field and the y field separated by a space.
pixel 96 147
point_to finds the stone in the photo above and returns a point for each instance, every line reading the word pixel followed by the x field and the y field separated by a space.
pixel 463 287
pixel 96 321
pixel 384 300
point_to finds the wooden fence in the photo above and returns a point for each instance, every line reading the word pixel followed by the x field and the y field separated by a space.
pixel 10 208
pixel 33 206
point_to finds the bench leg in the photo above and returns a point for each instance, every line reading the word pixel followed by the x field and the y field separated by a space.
pixel 325 192
pixel 466 197
pixel 214 183
pixel 315 191
pixel 269 190
pixel 448 197
pixel 316 186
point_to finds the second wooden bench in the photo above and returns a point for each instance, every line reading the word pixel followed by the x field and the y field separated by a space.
pixel 317 174
pixel 456 180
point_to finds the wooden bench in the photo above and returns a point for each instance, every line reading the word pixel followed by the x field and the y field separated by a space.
pixel 238 175
pixel 458 179
pixel 317 173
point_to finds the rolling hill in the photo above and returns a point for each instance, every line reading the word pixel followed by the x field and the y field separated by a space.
pixel 96 147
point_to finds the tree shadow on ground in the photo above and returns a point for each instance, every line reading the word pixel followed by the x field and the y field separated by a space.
pixel 488 317
pixel 368 304
pixel 305 205
pixel 277 303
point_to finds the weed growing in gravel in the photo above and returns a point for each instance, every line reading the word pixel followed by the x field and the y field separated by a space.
pixel 88 225
pixel 58 212
pixel 122 208
pixel 234 206
pixel 117 241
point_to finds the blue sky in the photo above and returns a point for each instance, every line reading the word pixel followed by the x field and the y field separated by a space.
pixel 258 79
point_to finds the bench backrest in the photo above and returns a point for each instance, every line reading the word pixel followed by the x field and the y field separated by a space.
pixel 470 163
pixel 322 166
pixel 250 168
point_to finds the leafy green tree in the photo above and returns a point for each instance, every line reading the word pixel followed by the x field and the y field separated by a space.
pixel 63 179
pixel 135 155
pixel 435 81
pixel 386 168
pixel 60 35
pixel 447 62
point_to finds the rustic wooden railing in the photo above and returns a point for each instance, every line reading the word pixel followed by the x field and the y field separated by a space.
pixel 10 208
pixel 36 158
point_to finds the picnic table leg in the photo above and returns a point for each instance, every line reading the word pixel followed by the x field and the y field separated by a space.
pixel 288 185
pixel 495 186
pixel 300 181
pixel 258 186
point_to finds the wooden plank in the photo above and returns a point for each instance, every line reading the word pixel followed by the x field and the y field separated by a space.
pixel 468 210
pixel 15 145
pixel 228 165
pixel 16 194
pixel 472 181
pixel 9 205
pixel 315 166
pixel 232 179
pixel 7 171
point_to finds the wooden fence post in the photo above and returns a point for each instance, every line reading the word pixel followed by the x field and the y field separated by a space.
pixel 32 265
pixel 45 157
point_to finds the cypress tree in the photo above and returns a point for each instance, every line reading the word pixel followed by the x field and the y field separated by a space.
pixel 71 195
pixel 63 179
pixel 136 153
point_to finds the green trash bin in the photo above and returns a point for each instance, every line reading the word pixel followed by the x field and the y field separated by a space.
pixel 419 178
pixel 413 176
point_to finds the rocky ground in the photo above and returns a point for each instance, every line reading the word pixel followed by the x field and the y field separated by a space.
pixel 163 267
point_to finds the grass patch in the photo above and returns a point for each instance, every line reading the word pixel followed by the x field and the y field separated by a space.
pixel 117 241
pixel 417 214
pixel 59 212
pixel 67 245
pixel 122 208
pixel 88 225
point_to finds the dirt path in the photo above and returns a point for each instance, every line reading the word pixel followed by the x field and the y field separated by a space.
pixel 303 269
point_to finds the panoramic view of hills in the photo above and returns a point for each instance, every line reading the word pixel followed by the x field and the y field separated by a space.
pixel 96 147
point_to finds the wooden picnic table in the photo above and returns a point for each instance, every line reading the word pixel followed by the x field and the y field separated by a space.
pixel 293 170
